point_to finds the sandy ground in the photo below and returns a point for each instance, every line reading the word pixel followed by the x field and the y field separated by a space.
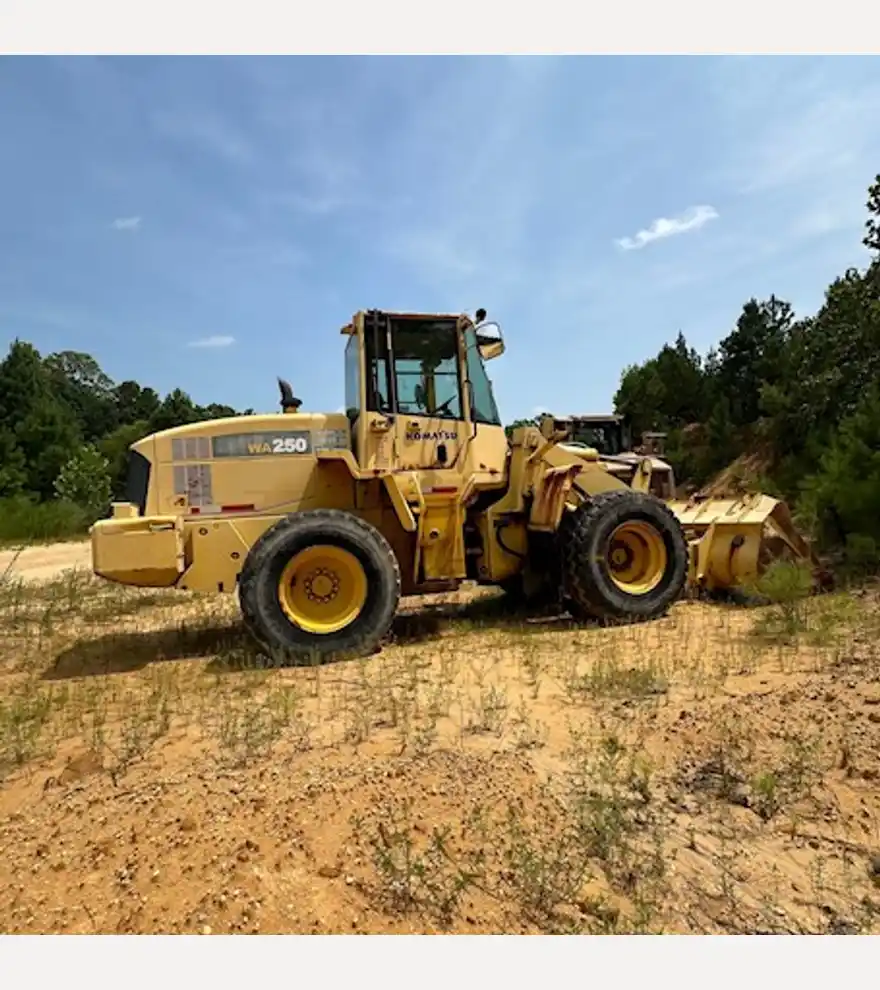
pixel 715 771
pixel 41 563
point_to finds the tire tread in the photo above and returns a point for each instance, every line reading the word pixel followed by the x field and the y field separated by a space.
pixel 580 585
pixel 256 596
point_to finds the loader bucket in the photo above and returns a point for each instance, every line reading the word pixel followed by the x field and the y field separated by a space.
pixel 732 541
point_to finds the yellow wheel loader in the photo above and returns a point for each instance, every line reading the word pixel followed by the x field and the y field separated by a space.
pixel 321 522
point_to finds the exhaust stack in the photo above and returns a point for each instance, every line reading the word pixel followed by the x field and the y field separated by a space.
pixel 289 402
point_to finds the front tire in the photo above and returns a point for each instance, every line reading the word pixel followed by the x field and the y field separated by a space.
pixel 320 584
pixel 624 557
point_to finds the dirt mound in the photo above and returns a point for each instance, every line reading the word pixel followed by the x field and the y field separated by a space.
pixel 739 477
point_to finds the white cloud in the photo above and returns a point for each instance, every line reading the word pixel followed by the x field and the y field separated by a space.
pixel 126 223
pixel 663 227
pixel 216 341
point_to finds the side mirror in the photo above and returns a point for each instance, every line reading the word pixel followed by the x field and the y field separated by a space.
pixel 489 341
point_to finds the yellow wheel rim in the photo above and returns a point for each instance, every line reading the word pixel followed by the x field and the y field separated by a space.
pixel 637 557
pixel 322 589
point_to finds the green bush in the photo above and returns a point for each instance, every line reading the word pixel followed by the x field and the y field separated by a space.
pixel 861 556
pixel 786 586
pixel 85 481
pixel 23 520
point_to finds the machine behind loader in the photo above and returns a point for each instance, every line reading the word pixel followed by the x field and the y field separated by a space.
pixel 322 522
pixel 609 437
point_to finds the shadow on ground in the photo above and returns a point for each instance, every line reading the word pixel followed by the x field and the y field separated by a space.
pixel 231 649
pixel 123 653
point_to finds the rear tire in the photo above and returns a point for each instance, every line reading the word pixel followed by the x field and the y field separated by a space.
pixel 624 557
pixel 319 585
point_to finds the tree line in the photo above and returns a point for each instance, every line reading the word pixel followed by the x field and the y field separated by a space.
pixel 65 430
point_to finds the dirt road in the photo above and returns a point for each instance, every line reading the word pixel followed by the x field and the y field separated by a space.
pixel 42 563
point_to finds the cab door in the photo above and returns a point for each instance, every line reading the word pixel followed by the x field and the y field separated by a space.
pixel 430 427
pixel 430 434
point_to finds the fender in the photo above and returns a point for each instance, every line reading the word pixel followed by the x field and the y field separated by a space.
pixel 395 485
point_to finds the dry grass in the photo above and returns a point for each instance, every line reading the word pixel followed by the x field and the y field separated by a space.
pixel 715 771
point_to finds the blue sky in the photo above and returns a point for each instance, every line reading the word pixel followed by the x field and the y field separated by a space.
pixel 594 206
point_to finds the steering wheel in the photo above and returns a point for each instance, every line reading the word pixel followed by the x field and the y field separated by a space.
pixel 443 408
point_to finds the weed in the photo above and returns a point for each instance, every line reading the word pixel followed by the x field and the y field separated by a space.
pixel 245 733
pixel 22 719
pixel 607 678
pixel 420 876
pixel 766 797
pixel 143 722
pixel 491 711
pixel 528 734
pixel 543 876
pixel 786 586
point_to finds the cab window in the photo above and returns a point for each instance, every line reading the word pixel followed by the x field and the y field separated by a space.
pixel 425 358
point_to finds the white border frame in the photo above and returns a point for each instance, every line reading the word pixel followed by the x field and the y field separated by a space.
pixel 453 27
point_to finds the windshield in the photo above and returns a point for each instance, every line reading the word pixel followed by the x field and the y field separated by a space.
pixel 605 438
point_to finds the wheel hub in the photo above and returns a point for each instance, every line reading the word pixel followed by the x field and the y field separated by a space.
pixel 636 557
pixel 321 586
pixel 322 589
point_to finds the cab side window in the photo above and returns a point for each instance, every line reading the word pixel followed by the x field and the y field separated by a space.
pixel 483 408
pixel 352 379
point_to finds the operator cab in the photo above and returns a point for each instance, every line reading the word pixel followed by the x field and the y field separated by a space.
pixel 607 435
pixel 421 377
